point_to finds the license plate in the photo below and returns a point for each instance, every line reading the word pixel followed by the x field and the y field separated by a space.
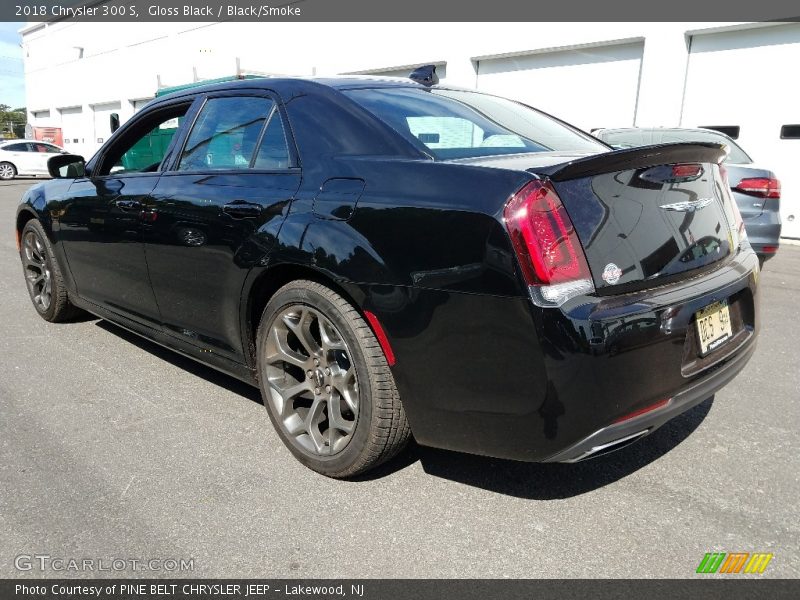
pixel 713 326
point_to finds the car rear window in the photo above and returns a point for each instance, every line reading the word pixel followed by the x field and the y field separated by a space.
pixel 633 138
pixel 451 124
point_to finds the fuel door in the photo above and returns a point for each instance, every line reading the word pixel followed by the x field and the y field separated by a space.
pixel 337 198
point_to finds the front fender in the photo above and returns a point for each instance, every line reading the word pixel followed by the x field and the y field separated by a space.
pixel 47 202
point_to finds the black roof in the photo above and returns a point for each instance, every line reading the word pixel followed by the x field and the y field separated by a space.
pixel 292 83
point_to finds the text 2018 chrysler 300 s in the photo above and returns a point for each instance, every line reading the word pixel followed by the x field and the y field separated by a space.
pixel 386 258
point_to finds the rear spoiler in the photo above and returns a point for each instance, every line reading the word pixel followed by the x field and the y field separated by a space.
pixel 639 158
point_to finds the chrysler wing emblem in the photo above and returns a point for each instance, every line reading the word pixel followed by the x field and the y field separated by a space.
pixel 688 205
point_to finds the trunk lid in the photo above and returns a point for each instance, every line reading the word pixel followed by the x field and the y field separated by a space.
pixel 647 216
pixel 751 206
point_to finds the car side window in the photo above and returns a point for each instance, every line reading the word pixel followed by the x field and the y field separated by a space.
pixel 225 134
pixel 17 148
pixel 142 148
pixel 274 151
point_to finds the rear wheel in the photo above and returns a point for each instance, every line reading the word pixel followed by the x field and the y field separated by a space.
pixel 43 275
pixel 7 171
pixel 326 384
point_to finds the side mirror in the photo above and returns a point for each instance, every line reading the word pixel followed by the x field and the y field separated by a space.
pixel 113 122
pixel 66 166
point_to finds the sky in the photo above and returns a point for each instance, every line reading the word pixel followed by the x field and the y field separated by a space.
pixel 12 79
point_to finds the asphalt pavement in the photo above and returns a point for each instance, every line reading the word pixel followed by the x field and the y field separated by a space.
pixel 113 447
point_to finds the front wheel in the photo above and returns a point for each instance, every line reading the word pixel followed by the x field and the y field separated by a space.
pixel 43 275
pixel 326 384
pixel 7 171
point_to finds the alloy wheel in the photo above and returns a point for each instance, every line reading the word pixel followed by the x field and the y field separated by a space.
pixel 6 171
pixel 38 275
pixel 312 382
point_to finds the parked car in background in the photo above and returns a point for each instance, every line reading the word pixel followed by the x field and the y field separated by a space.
pixel 384 257
pixel 757 190
pixel 26 157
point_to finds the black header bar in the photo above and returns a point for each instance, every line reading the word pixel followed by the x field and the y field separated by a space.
pixel 416 12
pixel 711 587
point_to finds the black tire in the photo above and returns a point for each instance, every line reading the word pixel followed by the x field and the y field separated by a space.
pixel 39 258
pixel 7 171
pixel 380 430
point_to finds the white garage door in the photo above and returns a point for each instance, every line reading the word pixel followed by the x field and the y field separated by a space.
pixel 41 117
pixel 747 79
pixel 140 104
pixel 589 87
pixel 102 124
pixel 73 130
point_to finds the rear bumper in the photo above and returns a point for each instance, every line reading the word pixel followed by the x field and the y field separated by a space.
pixel 764 233
pixel 501 377
pixel 618 435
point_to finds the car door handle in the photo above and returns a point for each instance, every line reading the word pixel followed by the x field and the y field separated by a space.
pixel 242 210
pixel 128 204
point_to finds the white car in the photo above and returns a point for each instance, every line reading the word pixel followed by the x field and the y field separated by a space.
pixel 26 157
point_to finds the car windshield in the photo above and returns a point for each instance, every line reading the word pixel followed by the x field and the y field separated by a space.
pixel 632 138
pixel 451 124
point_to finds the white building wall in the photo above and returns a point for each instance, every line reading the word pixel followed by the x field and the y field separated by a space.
pixel 589 86
pixel 70 64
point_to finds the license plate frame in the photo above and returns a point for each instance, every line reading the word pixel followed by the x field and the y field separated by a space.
pixel 713 326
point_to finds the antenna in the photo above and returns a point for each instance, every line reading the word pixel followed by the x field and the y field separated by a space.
pixel 426 75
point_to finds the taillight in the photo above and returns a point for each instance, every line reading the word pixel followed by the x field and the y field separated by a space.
pixel 764 187
pixel 550 255
pixel 687 171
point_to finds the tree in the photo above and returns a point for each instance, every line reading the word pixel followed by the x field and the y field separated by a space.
pixel 12 121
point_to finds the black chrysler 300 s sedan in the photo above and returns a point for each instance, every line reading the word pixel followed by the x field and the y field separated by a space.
pixel 384 257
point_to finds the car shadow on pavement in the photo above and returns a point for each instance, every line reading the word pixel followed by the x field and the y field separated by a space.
pixel 541 481
pixel 182 362
pixel 534 481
